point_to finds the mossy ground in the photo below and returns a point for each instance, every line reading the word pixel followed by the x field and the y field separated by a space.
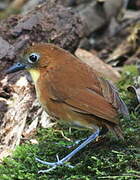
pixel 108 159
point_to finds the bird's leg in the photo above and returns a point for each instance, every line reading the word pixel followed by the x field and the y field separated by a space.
pixel 103 131
pixel 69 156
pixel 77 142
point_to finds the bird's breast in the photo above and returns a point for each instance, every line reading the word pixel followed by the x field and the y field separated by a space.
pixel 56 108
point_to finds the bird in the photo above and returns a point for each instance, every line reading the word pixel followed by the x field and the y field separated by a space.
pixel 72 91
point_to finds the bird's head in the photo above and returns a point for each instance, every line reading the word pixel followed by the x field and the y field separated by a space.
pixel 36 57
pixel 42 57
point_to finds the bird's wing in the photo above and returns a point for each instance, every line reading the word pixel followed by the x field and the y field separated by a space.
pixel 111 94
pixel 82 89
pixel 107 105
pixel 92 103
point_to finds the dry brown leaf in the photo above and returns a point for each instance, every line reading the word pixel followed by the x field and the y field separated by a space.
pixel 128 45
pixel 121 50
pixel 135 91
pixel 134 59
pixel 17 4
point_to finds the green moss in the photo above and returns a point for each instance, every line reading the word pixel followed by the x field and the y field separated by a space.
pixel 111 159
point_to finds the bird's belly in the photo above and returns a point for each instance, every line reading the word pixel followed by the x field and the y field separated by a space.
pixel 81 121
pixel 62 112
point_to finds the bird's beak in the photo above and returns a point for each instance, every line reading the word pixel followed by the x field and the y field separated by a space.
pixel 16 67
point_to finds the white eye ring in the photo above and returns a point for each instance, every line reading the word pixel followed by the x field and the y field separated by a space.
pixel 33 58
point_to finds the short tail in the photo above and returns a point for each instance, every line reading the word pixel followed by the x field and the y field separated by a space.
pixel 116 130
pixel 111 94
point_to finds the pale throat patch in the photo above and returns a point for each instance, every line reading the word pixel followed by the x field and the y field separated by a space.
pixel 34 74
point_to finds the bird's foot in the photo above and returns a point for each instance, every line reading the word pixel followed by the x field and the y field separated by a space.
pixel 69 156
pixel 53 164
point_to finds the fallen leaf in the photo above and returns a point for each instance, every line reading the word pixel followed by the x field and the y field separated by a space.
pixel 135 91
pixel 120 51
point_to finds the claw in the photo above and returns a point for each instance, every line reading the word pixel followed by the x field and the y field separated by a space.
pixel 54 165
pixel 45 162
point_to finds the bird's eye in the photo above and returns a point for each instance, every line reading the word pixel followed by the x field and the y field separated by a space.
pixel 33 58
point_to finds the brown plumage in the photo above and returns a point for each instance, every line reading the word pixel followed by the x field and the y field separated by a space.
pixel 72 91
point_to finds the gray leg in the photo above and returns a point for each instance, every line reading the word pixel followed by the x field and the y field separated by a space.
pixel 69 156
pixel 77 142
